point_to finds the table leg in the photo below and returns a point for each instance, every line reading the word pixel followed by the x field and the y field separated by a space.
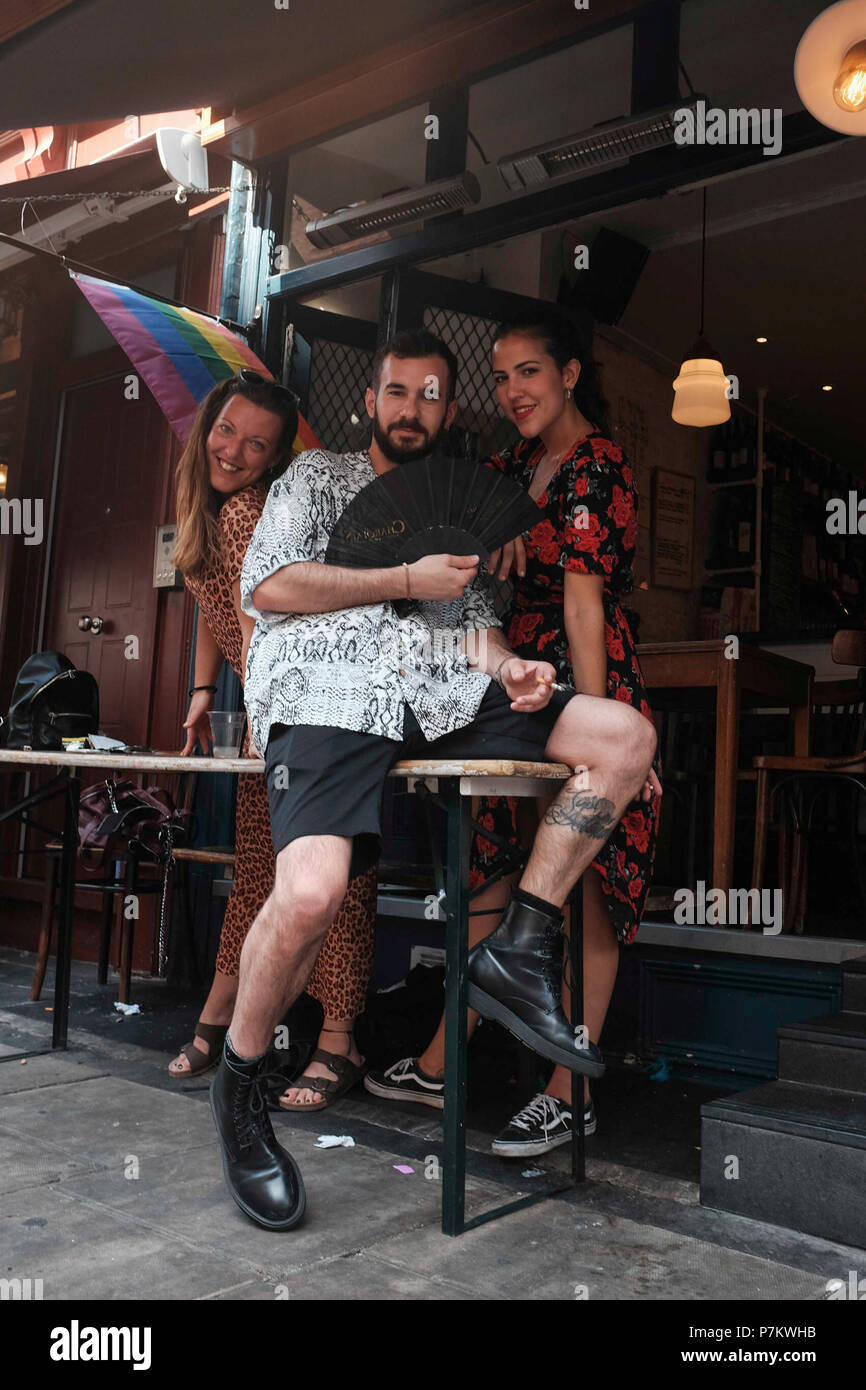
pixel 762 824
pixel 68 861
pixel 456 947
pixel 61 979
pixel 727 757
pixel 578 1123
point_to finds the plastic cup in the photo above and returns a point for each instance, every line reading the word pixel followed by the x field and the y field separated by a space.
pixel 227 729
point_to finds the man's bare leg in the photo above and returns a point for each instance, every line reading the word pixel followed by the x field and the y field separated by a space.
pixel 282 944
pixel 611 747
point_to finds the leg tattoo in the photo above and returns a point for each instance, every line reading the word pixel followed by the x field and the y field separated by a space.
pixel 580 809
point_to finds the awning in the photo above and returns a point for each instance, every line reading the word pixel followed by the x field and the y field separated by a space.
pixel 139 169
pixel 110 58
pixel 98 197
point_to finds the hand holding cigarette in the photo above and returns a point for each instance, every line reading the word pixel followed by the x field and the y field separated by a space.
pixel 554 685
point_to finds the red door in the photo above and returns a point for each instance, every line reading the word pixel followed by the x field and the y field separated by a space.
pixel 109 494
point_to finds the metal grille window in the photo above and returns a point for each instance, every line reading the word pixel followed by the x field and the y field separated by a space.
pixel 339 376
pixel 471 340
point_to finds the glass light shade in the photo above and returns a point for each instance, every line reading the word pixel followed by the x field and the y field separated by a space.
pixel 830 67
pixel 850 89
pixel 700 393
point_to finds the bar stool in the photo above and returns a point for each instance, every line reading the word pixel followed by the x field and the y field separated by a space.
pixel 450 785
pixel 122 879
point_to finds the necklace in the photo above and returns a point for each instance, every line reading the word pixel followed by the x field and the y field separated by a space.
pixel 548 466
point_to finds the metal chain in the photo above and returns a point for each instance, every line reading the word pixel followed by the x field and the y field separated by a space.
pixel 116 193
pixel 168 865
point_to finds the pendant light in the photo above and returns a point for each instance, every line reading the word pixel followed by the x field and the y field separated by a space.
pixel 701 389
pixel 830 67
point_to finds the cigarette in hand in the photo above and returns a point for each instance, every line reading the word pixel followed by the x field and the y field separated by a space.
pixel 554 685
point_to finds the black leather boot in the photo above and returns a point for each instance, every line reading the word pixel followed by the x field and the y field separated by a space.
pixel 261 1175
pixel 515 977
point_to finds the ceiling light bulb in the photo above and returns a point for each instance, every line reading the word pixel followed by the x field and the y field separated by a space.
pixel 826 388
pixel 760 340
pixel 849 91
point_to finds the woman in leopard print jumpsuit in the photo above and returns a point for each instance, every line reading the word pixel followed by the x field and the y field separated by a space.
pixel 240 442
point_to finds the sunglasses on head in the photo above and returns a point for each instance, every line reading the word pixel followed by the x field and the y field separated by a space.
pixel 252 378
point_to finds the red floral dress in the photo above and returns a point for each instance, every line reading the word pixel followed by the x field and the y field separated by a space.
pixel 589 527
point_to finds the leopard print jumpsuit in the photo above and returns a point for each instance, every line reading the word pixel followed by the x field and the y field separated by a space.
pixel 339 979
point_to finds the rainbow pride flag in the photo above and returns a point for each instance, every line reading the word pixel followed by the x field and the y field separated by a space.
pixel 179 353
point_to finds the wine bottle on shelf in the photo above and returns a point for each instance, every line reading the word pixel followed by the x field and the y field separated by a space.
pixel 734 449
pixel 719 454
pixel 745 449
pixel 783 467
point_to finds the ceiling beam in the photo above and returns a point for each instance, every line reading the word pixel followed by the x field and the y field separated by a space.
pixel 477 43
pixel 647 176
pixel 18 15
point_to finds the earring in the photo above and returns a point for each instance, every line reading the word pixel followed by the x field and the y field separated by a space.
pixel 568 393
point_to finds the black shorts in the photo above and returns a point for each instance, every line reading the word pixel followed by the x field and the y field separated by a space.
pixel 327 781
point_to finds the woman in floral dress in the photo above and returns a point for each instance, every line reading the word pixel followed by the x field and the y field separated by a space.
pixel 572 572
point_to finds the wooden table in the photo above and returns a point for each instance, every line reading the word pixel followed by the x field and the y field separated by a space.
pixel 67 783
pixel 756 678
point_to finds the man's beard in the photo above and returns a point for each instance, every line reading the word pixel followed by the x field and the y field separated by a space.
pixel 404 453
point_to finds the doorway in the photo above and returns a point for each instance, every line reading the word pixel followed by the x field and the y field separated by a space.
pixel 101 604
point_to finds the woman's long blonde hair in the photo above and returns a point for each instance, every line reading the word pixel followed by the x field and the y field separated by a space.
pixel 198 504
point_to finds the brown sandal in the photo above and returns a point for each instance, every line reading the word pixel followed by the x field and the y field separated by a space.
pixel 348 1074
pixel 214 1034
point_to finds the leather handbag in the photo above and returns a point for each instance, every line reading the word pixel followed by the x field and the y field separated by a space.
pixel 117 814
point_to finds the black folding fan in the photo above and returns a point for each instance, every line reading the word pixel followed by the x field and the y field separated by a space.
pixel 430 506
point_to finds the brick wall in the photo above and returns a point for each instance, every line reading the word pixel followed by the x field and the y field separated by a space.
pixel 639 392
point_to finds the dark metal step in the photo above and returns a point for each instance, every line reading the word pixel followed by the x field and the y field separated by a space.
pixel 828 1051
pixel 854 986
pixel 799 1155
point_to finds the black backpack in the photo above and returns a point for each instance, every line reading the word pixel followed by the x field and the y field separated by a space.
pixel 52 700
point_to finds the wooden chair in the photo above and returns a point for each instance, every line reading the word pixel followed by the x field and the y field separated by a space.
pixel 686 748
pixel 838 760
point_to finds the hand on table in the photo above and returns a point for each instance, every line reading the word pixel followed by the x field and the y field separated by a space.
pixel 197 723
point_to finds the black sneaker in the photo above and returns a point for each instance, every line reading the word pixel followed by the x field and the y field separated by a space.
pixel 540 1126
pixel 406 1081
